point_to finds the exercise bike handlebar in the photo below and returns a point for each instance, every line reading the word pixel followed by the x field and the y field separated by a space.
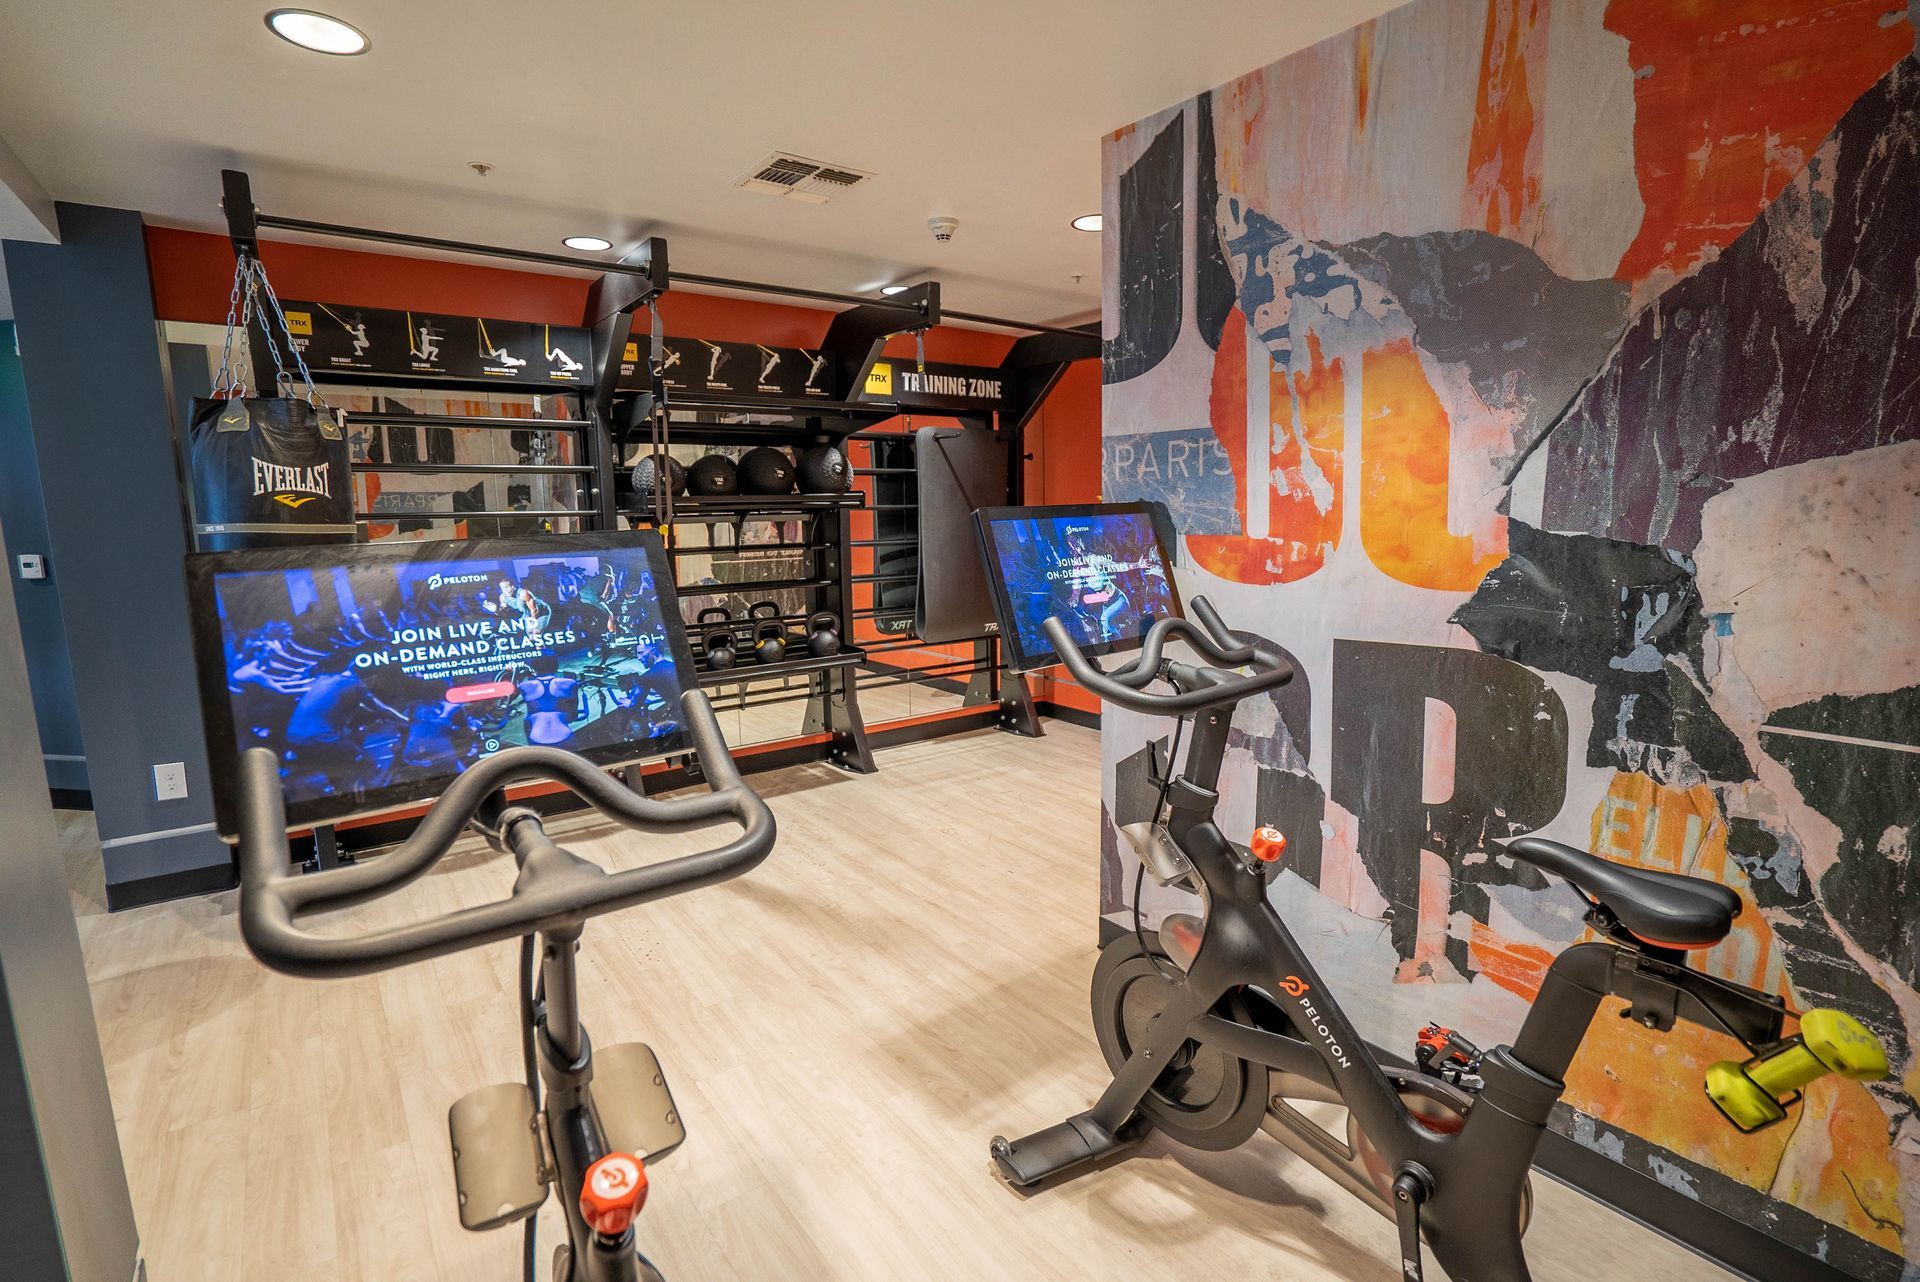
pixel 1222 650
pixel 273 899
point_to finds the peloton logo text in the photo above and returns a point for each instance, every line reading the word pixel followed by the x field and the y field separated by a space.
pixel 1295 987
pixel 438 581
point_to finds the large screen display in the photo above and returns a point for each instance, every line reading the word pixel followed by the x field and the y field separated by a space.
pixel 377 673
pixel 1100 570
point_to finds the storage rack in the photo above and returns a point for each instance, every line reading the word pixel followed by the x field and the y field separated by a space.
pixel 855 340
pixel 833 706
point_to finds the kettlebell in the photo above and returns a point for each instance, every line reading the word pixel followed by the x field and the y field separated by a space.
pixel 823 635
pixel 769 633
pixel 717 645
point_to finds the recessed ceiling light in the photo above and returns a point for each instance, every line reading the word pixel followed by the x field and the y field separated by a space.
pixel 1087 222
pixel 891 290
pixel 318 32
pixel 590 244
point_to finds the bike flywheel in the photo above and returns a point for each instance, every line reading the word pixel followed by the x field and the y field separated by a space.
pixel 1205 1099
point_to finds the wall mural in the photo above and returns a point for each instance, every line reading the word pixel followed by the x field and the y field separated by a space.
pixel 1546 375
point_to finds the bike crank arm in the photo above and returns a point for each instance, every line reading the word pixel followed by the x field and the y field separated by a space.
pixel 1411 1188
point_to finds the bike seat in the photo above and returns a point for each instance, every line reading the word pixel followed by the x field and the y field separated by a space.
pixel 1667 910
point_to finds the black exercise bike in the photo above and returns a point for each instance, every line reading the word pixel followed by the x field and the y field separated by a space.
pixel 606 1113
pixel 1218 1031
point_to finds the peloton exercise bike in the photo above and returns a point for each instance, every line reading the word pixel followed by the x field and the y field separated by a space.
pixel 607 1111
pixel 1225 1026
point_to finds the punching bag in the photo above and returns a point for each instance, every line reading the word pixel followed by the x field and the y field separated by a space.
pixel 269 471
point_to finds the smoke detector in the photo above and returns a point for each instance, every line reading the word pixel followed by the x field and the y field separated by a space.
pixel 943 228
pixel 811 182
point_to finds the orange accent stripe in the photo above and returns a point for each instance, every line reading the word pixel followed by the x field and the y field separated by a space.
pixel 1661 943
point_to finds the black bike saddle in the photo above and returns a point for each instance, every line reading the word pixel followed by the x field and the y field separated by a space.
pixel 1667 910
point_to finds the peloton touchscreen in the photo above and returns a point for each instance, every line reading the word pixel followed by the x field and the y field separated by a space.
pixel 1101 570
pixel 376 673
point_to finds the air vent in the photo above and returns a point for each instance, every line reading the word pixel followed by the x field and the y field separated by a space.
pixel 798 178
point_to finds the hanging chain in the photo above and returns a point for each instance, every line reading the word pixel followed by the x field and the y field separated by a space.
pixel 250 284
pixel 223 385
pixel 281 378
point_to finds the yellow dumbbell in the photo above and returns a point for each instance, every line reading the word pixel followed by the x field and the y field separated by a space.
pixel 1755 1094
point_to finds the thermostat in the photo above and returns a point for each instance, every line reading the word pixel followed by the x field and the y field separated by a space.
pixel 32 565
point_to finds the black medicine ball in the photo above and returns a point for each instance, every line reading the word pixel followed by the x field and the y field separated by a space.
pixel 765 470
pixel 646 475
pixel 823 470
pixel 712 475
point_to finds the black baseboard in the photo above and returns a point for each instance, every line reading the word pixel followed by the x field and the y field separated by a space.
pixel 1072 716
pixel 983 714
pixel 174 885
pixel 71 798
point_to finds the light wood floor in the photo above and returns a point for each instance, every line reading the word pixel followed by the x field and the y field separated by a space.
pixel 844 1030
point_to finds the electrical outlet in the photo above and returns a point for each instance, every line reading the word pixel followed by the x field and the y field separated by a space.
pixel 170 781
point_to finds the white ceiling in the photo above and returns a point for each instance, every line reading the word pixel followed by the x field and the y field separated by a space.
pixel 626 119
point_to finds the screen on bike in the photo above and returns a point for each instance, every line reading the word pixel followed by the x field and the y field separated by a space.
pixel 378 672
pixel 1100 569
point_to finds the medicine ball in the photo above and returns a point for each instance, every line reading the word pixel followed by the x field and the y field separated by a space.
pixel 712 475
pixel 823 470
pixel 646 475
pixel 765 470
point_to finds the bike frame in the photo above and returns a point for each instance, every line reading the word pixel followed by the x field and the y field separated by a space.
pixel 1466 1186
pixel 563 1054
pixel 565 1057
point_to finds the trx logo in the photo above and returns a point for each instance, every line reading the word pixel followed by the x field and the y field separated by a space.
pixel 292 485
pixel 1293 985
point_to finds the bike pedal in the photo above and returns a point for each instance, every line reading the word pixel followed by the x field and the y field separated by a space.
pixel 499 1167
pixel 634 1103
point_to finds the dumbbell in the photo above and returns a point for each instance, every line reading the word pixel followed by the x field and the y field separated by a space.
pixel 1755 1094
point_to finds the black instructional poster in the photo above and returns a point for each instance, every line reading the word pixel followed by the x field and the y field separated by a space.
pixel 696 365
pixel 337 338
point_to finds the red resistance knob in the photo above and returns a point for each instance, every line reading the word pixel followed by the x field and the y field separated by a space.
pixel 613 1193
pixel 1268 844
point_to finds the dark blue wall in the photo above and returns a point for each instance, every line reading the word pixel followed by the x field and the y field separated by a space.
pixel 23 519
pixel 97 403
